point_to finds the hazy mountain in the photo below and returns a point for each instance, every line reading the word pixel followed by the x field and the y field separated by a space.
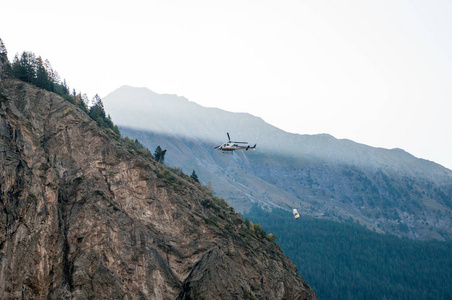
pixel 387 190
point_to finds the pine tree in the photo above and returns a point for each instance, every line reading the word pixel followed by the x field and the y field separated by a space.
pixel 28 66
pixel 97 111
pixel 159 155
pixel 194 176
pixel 5 66
pixel 18 69
pixel 3 52
pixel 42 78
pixel 54 78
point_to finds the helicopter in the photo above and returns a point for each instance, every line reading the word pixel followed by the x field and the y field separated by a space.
pixel 230 146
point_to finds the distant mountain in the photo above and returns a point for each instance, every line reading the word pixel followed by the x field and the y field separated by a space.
pixel 386 190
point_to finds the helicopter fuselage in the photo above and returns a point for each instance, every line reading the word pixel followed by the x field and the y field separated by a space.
pixel 233 146
pixel 229 147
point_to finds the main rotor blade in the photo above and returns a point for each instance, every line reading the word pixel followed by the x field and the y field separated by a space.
pixel 229 139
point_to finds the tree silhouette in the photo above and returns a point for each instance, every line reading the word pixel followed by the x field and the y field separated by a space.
pixel 3 52
pixel 97 111
pixel 5 66
pixel 42 78
pixel 159 155
pixel 33 69
pixel 194 176
pixel 24 67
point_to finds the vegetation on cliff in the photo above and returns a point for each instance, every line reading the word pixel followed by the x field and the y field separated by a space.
pixel 33 69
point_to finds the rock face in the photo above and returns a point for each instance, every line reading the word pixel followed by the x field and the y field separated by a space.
pixel 83 217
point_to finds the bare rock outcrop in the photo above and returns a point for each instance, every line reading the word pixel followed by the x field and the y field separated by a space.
pixel 84 217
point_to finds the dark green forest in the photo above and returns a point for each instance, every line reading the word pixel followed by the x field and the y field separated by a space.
pixel 348 261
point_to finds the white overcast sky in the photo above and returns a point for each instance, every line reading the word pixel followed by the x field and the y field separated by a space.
pixel 376 72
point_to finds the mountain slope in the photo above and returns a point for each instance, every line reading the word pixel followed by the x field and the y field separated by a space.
pixel 387 190
pixel 83 216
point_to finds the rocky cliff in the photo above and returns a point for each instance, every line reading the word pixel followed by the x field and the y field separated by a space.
pixel 84 217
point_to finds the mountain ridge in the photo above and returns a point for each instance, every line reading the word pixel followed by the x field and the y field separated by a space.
pixel 388 190
pixel 212 125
